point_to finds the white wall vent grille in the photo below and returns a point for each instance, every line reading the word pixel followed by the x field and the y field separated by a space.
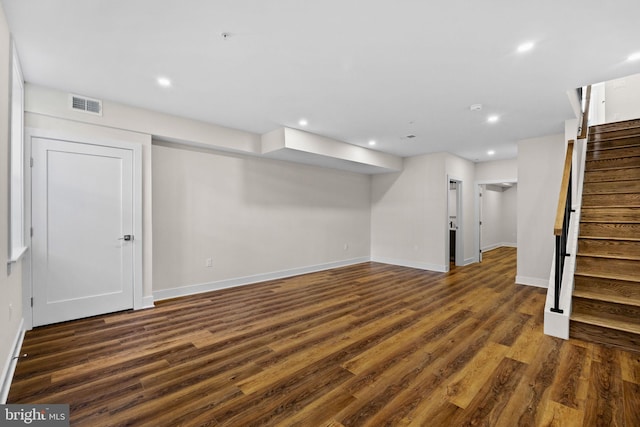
pixel 86 105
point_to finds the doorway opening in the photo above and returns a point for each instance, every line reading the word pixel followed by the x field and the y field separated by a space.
pixel 455 246
pixel 496 212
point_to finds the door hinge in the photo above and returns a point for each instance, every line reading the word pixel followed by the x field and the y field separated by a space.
pixel 31 162
pixel 31 231
pixel 31 301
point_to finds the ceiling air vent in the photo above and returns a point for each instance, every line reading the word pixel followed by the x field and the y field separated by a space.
pixel 86 105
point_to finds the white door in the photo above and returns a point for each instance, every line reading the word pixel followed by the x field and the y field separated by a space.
pixel 82 209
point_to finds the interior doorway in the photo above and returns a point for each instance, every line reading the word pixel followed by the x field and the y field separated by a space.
pixel 86 216
pixel 455 235
pixel 496 213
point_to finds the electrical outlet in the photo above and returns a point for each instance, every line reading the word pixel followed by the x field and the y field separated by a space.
pixel 209 262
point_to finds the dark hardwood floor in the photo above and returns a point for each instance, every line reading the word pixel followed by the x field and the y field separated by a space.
pixel 369 344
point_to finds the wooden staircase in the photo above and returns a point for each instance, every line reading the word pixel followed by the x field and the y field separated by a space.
pixel 606 297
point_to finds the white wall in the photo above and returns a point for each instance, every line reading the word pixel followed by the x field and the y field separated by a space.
pixel 509 234
pixel 409 219
pixel 464 170
pixel 622 99
pixel 491 230
pixel 409 214
pixel 10 282
pixel 251 216
pixel 497 171
pixel 540 163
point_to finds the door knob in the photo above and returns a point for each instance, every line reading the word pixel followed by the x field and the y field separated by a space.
pixel 126 238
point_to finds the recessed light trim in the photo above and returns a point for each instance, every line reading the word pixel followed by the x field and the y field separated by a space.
pixel 303 122
pixel 163 81
pixel 491 152
pixel 525 47
pixel 493 119
pixel 372 142
pixel 633 57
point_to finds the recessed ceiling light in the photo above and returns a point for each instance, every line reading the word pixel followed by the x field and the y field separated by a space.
pixel 303 122
pixel 491 152
pixel 634 56
pixel 164 81
pixel 525 47
pixel 493 119
pixel 372 142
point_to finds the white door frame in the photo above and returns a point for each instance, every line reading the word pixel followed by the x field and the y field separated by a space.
pixel 136 148
pixel 459 221
pixel 476 195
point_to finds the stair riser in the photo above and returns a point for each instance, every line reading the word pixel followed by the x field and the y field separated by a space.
pixel 604 230
pixel 605 144
pixel 612 248
pixel 625 340
pixel 627 162
pixel 614 153
pixel 611 175
pixel 605 310
pixel 624 200
pixel 608 127
pixel 618 289
pixel 621 215
pixel 614 134
pixel 608 267
pixel 616 187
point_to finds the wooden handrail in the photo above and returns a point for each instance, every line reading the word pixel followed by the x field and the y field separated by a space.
pixel 564 188
pixel 584 129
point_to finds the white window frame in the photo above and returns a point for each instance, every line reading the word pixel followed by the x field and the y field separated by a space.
pixel 17 246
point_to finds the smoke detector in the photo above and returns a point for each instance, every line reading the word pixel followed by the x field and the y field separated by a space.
pixel 475 107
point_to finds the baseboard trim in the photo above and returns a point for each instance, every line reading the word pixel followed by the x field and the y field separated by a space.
pixel 248 280
pixel 532 281
pixel 147 302
pixel 499 245
pixel 411 264
pixel 11 362
pixel 470 261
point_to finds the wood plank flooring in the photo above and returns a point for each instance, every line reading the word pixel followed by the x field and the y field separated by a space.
pixel 370 344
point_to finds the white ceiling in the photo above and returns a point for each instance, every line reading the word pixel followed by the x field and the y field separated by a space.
pixel 355 69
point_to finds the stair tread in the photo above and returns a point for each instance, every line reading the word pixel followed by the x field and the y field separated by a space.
pixel 606 297
pixel 600 254
pixel 606 322
pixel 631 239
pixel 613 276
pixel 616 142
